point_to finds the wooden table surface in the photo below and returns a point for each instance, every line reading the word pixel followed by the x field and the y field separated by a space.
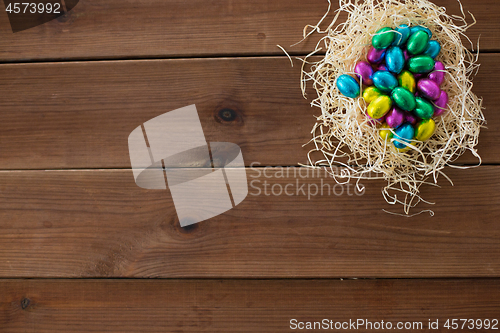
pixel 84 249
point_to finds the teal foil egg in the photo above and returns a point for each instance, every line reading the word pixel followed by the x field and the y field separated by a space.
pixel 385 81
pixel 421 28
pixel 433 48
pixel 348 86
pixel 402 34
pixel 395 59
pixel 404 133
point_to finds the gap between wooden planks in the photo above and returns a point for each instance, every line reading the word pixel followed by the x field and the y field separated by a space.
pixel 98 223
pixel 238 305
pixel 178 28
pixel 79 115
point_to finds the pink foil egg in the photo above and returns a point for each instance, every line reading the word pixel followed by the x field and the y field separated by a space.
pixel 410 118
pixel 429 89
pixel 364 71
pixel 418 76
pixel 375 56
pixel 441 104
pixel 395 117
pixel 438 76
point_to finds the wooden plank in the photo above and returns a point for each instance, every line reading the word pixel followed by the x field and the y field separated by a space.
pixel 79 115
pixel 100 224
pixel 240 305
pixel 177 28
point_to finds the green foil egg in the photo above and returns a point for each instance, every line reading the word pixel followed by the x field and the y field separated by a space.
pixel 425 129
pixel 421 64
pixel 424 109
pixel 407 81
pixel 404 99
pixel 379 107
pixel 371 93
pixel 417 42
pixel 383 38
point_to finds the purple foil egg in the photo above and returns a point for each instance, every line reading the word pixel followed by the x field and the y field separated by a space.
pixel 395 117
pixel 382 67
pixel 410 118
pixel 364 71
pixel 406 55
pixel 375 56
pixel 429 89
pixel 441 104
pixel 438 74
pixel 418 76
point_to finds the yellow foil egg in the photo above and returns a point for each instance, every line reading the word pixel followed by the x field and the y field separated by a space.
pixel 370 94
pixel 379 107
pixel 407 80
pixel 386 133
pixel 425 129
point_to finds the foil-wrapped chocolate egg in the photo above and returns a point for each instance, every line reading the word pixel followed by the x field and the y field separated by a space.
pixel 395 117
pixel 437 75
pixel 348 86
pixel 394 59
pixel 364 71
pixel 404 133
pixel 428 89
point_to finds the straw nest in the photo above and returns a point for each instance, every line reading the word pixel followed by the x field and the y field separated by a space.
pixel 343 134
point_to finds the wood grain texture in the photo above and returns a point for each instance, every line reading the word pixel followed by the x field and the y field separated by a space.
pixel 237 305
pixel 178 28
pixel 79 115
pixel 100 224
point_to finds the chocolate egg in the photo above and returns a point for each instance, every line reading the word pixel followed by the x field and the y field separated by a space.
pixel 394 59
pixel 410 118
pixel 402 33
pixel 424 108
pixel 403 98
pixel 385 81
pixel 383 38
pixel 364 72
pixel 379 107
pixel 371 93
pixel 417 42
pixel 348 86
pixel 421 28
pixel 407 80
pixel 375 56
pixel 395 117
pixel 438 74
pixel 421 64
pixel 441 104
pixel 428 89
pixel 425 129
pixel 385 132
pixel 433 48
pixel 403 133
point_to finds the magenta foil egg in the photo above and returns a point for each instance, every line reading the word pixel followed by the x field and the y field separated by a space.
pixel 364 71
pixel 395 117
pixel 410 118
pixel 429 89
pixel 441 104
pixel 406 55
pixel 375 56
pixel 438 74
pixel 382 67
pixel 418 76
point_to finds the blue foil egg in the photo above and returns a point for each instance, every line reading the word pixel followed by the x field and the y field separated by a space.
pixel 402 34
pixel 348 86
pixel 404 133
pixel 384 81
pixel 421 28
pixel 395 59
pixel 433 48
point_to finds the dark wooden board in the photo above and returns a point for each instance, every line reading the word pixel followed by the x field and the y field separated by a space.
pixel 100 224
pixel 178 28
pixel 79 115
pixel 239 305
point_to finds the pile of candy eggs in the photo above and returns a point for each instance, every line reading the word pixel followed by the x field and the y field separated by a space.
pixel 402 83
